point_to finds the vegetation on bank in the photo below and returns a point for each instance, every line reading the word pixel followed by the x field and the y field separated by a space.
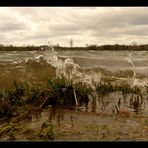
pixel 115 47
pixel 61 92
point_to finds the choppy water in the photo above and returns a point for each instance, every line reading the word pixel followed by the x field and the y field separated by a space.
pixel 110 60
pixel 38 65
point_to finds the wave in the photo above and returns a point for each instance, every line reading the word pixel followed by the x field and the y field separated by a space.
pixel 79 68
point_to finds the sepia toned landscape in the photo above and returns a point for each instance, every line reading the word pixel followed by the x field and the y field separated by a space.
pixel 73 74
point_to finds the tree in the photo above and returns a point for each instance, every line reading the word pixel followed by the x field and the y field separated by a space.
pixel 133 43
pixel 1 45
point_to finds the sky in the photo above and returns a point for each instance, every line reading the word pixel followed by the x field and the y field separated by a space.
pixel 85 25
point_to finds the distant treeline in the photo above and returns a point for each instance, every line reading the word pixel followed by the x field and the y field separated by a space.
pixel 90 47
pixel 108 47
pixel 16 48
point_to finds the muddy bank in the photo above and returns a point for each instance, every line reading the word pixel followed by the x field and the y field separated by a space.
pixel 66 125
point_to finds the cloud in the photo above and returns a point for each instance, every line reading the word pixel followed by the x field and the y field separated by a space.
pixel 92 25
pixel 12 26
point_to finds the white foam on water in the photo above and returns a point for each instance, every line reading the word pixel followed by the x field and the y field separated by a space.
pixel 138 82
pixel 71 70
pixel 134 81
pixel 130 60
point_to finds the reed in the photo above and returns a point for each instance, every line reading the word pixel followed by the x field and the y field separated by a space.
pixel 63 92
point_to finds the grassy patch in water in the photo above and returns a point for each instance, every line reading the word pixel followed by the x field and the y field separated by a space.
pixel 60 92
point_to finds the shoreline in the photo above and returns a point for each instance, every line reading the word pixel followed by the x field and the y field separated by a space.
pixel 95 48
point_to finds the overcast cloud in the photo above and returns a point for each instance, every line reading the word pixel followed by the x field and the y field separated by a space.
pixel 86 25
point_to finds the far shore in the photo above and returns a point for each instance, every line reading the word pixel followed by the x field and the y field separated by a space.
pixel 115 47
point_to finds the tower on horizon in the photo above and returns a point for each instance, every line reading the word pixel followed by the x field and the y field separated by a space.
pixel 71 43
